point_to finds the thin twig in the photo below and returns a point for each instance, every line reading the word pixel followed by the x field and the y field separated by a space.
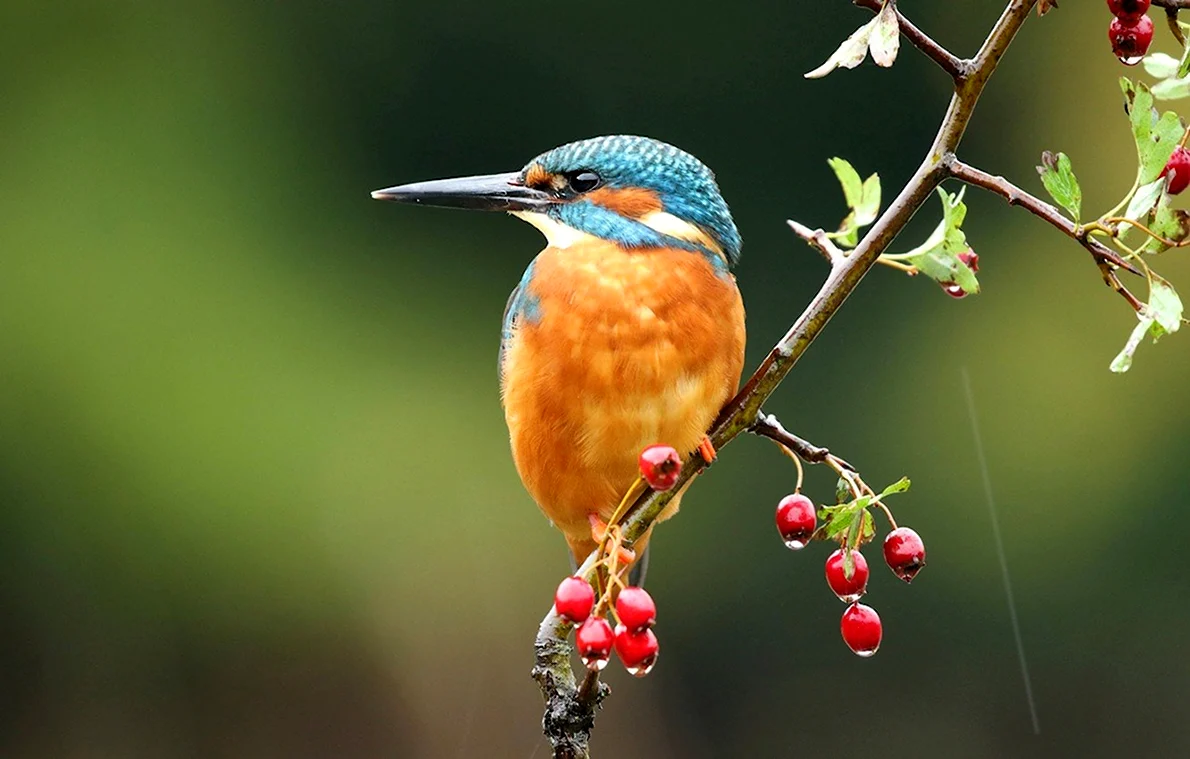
pixel 1173 5
pixel 1015 196
pixel 1171 20
pixel 818 240
pixel 567 722
pixel 767 425
pixel 954 66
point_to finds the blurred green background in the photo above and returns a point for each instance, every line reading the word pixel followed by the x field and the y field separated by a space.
pixel 257 498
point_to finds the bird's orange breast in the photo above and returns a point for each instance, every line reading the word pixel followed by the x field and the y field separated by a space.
pixel 623 349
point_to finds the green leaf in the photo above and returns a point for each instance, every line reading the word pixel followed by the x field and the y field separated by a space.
pixel 886 36
pixel 1161 315
pixel 842 491
pixel 900 486
pixel 868 207
pixel 1144 199
pixel 850 54
pixel 1161 66
pixel 868 531
pixel 838 519
pixel 1156 138
pixel 1058 177
pixel 863 200
pixel 1168 222
pixel 938 256
pixel 1165 306
pixel 853 188
pixel 1172 89
pixel 1123 361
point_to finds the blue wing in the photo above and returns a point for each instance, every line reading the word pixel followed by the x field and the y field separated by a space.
pixel 522 306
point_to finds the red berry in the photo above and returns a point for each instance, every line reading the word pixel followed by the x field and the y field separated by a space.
pixel 905 553
pixel 594 642
pixel 574 598
pixel 861 629
pixel 796 520
pixel 636 609
pixel 847 589
pixel 1130 41
pixel 971 258
pixel 660 465
pixel 1179 164
pixel 1128 11
pixel 637 649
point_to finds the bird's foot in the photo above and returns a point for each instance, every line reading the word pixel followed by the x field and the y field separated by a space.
pixel 706 450
pixel 599 530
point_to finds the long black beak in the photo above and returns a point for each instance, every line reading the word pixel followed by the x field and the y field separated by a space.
pixel 496 192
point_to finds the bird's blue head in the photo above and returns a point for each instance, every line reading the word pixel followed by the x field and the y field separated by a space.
pixel 637 192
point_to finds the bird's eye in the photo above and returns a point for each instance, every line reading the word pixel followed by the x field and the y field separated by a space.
pixel 583 181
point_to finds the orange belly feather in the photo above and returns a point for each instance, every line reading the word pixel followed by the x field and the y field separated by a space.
pixel 629 348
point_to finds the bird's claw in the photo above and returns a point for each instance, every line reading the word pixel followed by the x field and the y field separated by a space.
pixel 706 450
pixel 599 528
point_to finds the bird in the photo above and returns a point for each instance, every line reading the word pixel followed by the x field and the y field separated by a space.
pixel 626 331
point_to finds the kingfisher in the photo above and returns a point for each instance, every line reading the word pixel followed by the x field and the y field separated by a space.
pixel 626 331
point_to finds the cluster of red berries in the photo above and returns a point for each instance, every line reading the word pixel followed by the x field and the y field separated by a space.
pixel 632 638
pixel 1179 164
pixel 971 259
pixel 1131 31
pixel 904 552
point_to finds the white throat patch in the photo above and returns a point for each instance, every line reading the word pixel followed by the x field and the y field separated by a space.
pixel 559 235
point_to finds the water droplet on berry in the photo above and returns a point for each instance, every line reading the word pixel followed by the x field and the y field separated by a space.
pixel 1130 60
pixel 595 663
pixel 642 669
pixel 796 544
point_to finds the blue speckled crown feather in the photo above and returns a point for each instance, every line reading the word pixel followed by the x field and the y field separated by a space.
pixel 685 186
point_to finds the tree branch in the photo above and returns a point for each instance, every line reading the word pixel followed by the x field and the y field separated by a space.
pixel 954 66
pixel 1173 5
pixel 767 425
pixel 1039 208
pixel 568 721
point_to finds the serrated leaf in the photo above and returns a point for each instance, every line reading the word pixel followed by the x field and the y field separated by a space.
pixel 1160 65
pixel 900 486
pixel 1165 306
pixel 842 491
pixel 868 207
pixel 837 522
pixel 1144 199
pixel 1170 223
pixel 868 530
pixel 848 561
pixel 1161 315
pixel 863 200
pixel 1057 175
pixel 886 36
pixel 1156 137
pixel 1123 361
pixel 849 54
pixel 938 256
pixel 838 519
pixel 853 187
pixel 1172 89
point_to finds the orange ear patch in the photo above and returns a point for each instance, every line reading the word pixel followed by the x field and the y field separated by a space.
pixel 633 202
